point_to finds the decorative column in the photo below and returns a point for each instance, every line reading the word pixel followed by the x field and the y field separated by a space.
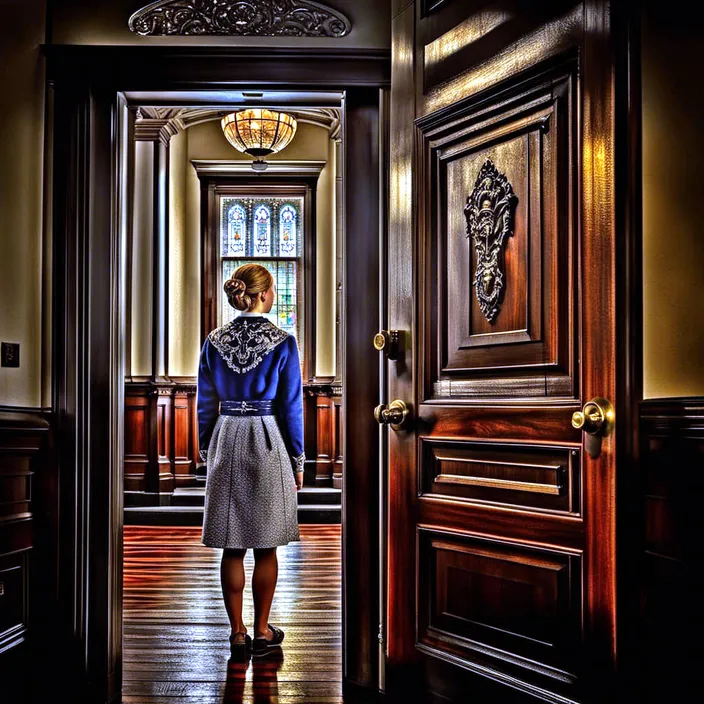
pixel 149 447
pixel 336 388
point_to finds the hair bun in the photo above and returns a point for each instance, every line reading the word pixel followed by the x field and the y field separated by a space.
pixel 235 286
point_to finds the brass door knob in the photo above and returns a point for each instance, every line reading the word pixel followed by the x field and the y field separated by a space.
pixel 394 414
pixel 387 341
pixel 596 418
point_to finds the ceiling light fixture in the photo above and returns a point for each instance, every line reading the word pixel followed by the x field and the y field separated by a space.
pixel 259 132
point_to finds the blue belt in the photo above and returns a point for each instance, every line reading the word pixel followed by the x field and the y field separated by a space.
pixel 253 407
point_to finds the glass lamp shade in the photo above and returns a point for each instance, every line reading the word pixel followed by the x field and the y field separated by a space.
pixel 258 131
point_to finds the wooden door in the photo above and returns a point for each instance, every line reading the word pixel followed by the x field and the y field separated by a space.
pixel 503 216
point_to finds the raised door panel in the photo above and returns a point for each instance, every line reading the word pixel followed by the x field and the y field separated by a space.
pixel 136 442
pixel 499 314
pixel 502 605
pixel 182 452
pixel 508 474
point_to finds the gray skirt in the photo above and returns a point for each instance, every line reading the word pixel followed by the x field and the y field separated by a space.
pixel 250 490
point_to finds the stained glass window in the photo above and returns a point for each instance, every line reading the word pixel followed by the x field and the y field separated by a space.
pixel 267 231
pixel 235 233
pixel 262 231
pixel 284 312
pixel 287 231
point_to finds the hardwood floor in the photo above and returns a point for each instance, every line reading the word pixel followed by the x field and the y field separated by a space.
pixel 176 630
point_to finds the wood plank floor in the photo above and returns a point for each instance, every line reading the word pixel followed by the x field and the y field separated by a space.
pixel 176 629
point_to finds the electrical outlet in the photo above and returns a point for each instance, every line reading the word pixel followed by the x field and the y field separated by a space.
pixel 10 354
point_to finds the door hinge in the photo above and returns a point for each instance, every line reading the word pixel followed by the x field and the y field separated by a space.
pixel 380 635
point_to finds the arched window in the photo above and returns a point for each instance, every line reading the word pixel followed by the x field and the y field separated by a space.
pixel 235 234
pixel 288 234
pixel 262 231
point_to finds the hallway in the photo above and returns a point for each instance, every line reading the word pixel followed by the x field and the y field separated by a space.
pixel 176 629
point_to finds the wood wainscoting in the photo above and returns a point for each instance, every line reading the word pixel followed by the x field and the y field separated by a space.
pixel 671 573
pixel 161 438
pixel 323 433
pixel 28 525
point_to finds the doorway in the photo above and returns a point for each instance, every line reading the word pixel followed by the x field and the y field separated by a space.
pixel 198 211
pixel 91 115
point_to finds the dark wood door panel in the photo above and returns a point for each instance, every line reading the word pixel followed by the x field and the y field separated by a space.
pixel 480 600
pixel 501 523
pixel 13 591
pixel 509 422
pixel 498 239
pixel 537 478
pixel 16 492
pixel 469 47
pixel 504 219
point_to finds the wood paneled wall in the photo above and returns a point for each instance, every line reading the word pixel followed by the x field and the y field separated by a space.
pixel 671 573
pixel 161 438
pixel 323 433
pixel 25 524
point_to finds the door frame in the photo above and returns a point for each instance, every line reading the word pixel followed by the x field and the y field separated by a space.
pixel 89 119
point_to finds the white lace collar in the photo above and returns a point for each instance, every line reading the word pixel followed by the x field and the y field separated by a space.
pixel 246 340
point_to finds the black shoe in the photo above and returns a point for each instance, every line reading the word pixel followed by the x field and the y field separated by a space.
pixel 261 646
pixel 240 649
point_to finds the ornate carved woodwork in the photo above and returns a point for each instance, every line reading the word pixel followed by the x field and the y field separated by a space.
pixel 288 18
pixel 529 347
pixel 489 214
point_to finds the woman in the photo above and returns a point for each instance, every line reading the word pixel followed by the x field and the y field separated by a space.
pixel 250 422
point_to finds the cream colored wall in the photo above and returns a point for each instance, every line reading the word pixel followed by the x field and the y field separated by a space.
pixel 181 320
pixel 24 274
pixel 142 261
pixel 673 208
pixel 206 141
pixel 325 271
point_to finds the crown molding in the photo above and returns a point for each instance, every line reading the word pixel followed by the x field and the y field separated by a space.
pixel 174 120
pixel 223 167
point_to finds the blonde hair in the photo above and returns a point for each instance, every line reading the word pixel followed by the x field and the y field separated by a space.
pixel 245 283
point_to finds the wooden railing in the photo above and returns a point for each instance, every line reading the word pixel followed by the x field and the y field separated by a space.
pixel 161 438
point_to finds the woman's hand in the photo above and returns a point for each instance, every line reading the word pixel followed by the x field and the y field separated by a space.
pixel 298 476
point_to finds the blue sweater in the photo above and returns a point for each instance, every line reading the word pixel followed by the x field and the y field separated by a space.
pixel 250 358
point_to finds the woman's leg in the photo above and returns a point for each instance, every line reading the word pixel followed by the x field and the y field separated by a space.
pixel 266 570
pixel 232 582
